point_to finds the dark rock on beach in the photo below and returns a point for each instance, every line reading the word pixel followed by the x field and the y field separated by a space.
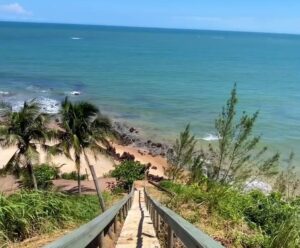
pixel 131 136
pixel 126 156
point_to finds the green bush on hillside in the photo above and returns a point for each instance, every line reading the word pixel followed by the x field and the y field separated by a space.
pixel 288 234
pixel 128 172
pixel 268 217
pixel 44 175
pixel 73 176
pixel 267 212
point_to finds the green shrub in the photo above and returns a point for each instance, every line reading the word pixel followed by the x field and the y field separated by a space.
pixel 254 241
pixel 73 176
pixel 288 234
pixel 27 213
pixel 128 172
pixel 44 175
pixel 267 212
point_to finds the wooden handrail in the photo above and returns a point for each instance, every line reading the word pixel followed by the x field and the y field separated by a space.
pixel 188 234
pixel 91 234
pixel 161 188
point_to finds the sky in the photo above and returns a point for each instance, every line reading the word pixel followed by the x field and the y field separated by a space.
pixel 278 16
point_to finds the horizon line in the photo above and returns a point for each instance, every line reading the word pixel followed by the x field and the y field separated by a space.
pixel 151 27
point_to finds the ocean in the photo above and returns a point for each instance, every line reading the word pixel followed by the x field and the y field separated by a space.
pixel 158 79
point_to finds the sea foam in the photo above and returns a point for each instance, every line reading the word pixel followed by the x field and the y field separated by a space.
pixel 75 93
pixel 210 137
pixel 4 93
pixel 47 105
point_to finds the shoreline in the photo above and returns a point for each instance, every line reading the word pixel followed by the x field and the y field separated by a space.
pixel 137 136
pixel 144 151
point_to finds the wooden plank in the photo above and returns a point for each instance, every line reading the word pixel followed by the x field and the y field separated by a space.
pixel 189 235
pixel 85 234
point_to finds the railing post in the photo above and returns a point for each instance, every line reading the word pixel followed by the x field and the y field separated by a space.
pixel 115 224
pixel 150 210
pixel 153 217
pixel 156 219
pixel 111 230
pixel 147 202
pixel 101 243
pixel 123 213
pixel 153 211
pixel 120 215
pixel 158 222
pixel 170 242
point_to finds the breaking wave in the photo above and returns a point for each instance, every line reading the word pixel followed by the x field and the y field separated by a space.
pixel 210 137
pixel 47 105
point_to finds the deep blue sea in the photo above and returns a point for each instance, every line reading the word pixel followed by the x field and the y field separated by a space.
pixel 158 79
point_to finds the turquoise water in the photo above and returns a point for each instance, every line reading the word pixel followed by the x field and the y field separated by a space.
pixel 158 79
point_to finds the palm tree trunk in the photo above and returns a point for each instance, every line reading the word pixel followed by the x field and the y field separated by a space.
pixel 95 179
pixel 79 181
pixel 31 174
pixel 77 162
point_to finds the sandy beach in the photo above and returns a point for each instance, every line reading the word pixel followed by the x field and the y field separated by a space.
pixel 102 165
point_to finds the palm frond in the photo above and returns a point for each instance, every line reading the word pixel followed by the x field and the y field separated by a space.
pixel 31 154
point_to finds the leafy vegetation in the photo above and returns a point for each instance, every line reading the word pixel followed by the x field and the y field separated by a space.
pixel 29 213
pixel 23 129
pixel 44 174
pixel 128 172
pixel 83 128
pixel 73 175
pixel 237 156
pixel 288 182
pixel 181 155
pixel 288 234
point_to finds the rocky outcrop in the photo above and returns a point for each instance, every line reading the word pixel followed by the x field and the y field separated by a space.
pixel 131 136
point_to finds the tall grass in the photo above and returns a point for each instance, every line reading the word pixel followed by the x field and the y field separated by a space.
pixel 288 235
pixel 28 213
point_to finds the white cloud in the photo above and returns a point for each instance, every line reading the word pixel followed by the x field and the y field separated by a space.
pixel 14 9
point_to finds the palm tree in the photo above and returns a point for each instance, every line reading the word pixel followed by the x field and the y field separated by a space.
pixel 83 128
pixel 23 129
